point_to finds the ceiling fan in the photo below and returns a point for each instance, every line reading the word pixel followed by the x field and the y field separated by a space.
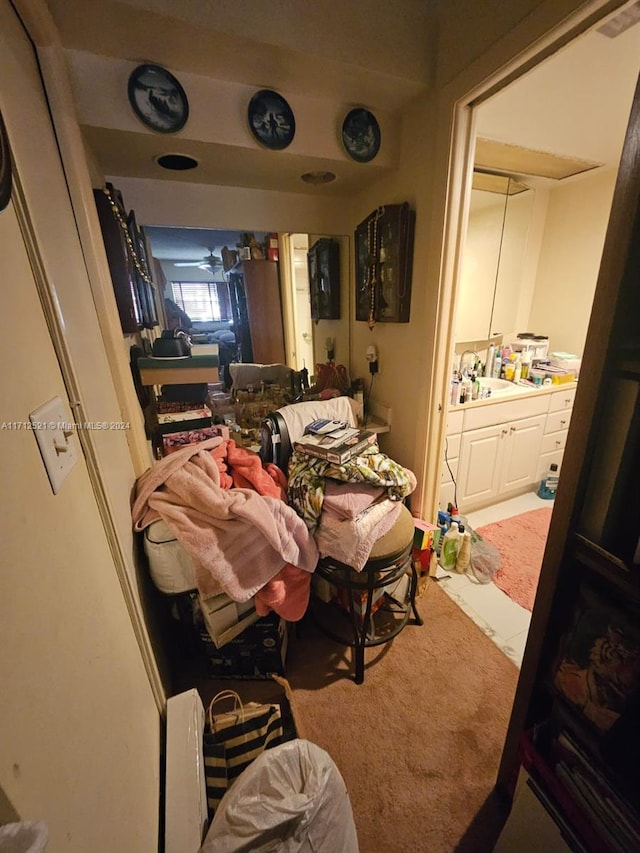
pixel 211 262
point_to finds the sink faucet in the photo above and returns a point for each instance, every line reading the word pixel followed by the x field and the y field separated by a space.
pixel 468 352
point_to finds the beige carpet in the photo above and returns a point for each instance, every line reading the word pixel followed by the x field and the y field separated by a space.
pixel 419 742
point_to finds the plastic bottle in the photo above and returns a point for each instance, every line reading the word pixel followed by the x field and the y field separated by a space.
pixel 464 554
pixel 517 369
pixel 491 360
pixel 549 483
pixel 450 548
pixel 455 391
pixel 497 366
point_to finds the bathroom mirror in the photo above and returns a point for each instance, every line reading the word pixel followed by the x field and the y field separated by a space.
pixel 191 257
pixel 494 251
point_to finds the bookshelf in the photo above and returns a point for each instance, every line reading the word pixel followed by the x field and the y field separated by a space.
pixel 575 724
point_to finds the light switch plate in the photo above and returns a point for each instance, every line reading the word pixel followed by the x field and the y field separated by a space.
pixel 54 434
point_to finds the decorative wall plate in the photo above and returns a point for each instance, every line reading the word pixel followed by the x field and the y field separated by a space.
pixel 361 135
pixel 157 98
pixel 5 167
pixel 271 119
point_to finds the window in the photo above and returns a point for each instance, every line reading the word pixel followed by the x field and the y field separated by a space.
pixel 202 301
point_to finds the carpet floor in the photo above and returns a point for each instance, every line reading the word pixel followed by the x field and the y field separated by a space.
pixel 521 542
pixel 418 743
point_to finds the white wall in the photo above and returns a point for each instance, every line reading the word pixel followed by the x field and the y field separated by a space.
pixel 80 725
pixel 569 262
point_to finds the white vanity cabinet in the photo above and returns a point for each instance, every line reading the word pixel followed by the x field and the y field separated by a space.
pixel 499 450
pixel 453 435
pixel 555 431
pixel 498 460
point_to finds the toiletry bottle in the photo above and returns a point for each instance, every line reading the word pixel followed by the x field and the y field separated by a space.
pixel 491 360
pixel 517 369
pixel 464 554
pixel 450 548
pixel 455 391
pixel 549 483
pixel 497 366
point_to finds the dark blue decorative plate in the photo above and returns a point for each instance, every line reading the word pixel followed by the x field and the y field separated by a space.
pixel 271 120
pixel 158 99
pixel 361 135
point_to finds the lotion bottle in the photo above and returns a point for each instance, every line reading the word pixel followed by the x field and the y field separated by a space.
pixel 464 554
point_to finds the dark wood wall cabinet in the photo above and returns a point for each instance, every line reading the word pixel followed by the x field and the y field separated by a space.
pixel 254 291
pixel 323 260
pixel 384 260
pixel 128 262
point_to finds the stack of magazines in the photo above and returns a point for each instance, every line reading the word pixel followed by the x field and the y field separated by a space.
pixel 334 441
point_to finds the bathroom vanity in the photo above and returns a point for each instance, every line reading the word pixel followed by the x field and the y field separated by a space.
pixel 500 447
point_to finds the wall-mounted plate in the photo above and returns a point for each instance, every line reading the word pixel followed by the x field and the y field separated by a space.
pixel 361 135
pixel 271 120
pixel 158 99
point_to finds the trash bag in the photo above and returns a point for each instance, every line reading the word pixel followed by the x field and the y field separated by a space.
pixel 485 560
pixel 291 799
pixel 24 837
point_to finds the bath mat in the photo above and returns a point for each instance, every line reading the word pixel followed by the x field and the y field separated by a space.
pixel 521 540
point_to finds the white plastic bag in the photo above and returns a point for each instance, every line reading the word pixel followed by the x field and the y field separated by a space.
pixel 292 799
pixel 24 837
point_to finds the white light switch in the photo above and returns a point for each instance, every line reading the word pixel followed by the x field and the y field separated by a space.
pixel 54 434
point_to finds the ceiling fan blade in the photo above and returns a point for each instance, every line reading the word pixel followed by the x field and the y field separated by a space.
pixel 187 263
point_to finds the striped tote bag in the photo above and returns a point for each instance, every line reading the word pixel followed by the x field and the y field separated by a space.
pixel 233 739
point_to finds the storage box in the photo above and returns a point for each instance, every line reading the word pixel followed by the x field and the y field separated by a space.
pixel 226 619
pixel 423 536
pixel 360 597
pixel 259 651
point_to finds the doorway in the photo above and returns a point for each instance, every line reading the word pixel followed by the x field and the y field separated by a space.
pixel 583 93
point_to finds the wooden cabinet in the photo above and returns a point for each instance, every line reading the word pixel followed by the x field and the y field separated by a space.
pixel 383 263
pixel 520 453
pixel 323 261
pixel 254 290
pixel 128 263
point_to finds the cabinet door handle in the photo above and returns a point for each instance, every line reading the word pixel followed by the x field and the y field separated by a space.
pixel 505 431
pixel 512 429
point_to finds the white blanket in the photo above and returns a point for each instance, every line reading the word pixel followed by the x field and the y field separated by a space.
pixel 350 540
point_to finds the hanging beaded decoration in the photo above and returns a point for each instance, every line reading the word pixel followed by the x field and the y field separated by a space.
pixel 372 277
pixel 139 263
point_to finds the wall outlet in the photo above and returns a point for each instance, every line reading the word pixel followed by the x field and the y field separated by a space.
pixel 372 353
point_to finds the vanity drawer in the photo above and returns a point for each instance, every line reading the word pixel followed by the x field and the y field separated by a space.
pixel 558 420
pixel 562 400
pixel 553 441
pixel 491 414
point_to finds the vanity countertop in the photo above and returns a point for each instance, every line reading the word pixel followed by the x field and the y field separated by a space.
pixel 518 393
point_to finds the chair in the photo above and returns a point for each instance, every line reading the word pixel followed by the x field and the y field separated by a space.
pixel 366 593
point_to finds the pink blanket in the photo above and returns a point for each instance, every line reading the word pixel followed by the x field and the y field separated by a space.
pixel 238 539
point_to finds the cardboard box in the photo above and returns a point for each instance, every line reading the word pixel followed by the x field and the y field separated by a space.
pixel 226 619
pixel 360 597
pixel 259 651
pixel 423 536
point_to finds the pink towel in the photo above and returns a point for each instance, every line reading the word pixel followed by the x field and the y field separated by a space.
pixel 238 539
pixel 348 500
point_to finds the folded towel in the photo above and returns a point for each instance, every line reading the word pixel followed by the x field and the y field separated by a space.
pixel 348 500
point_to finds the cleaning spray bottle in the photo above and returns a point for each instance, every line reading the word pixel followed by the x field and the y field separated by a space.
pixel 450 548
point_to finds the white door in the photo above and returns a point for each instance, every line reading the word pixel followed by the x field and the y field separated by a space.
pixel 521 454
pixel 479 465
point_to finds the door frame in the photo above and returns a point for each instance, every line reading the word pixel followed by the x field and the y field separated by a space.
pixel 459 176
pixel 454 161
